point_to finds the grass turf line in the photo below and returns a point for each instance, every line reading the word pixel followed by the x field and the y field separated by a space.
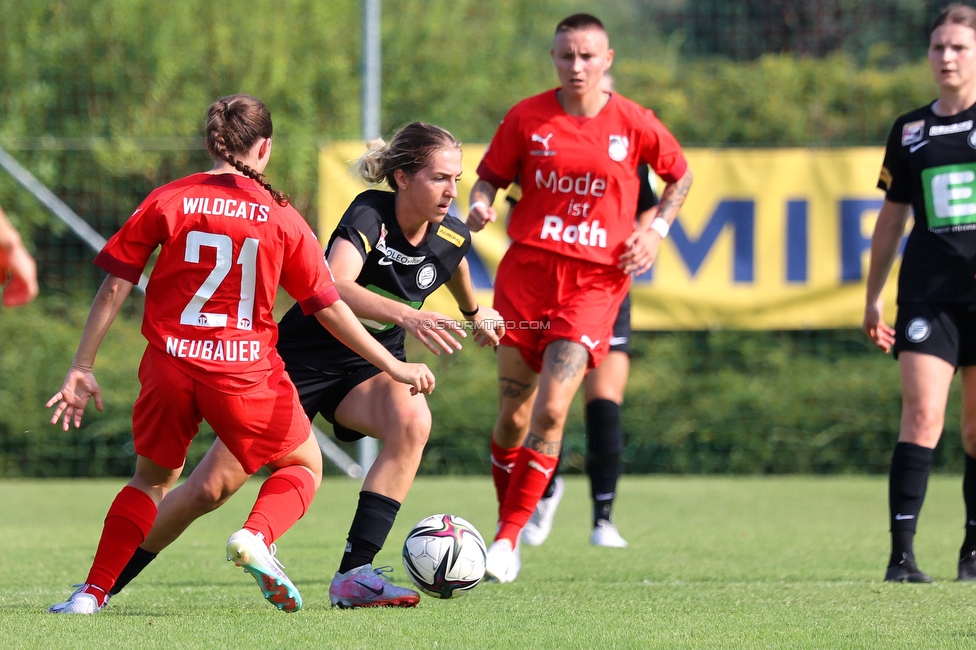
pixel 786 562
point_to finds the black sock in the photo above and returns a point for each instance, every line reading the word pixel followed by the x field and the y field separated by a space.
pixel 374 519
pixel 603 444
pixel 909 477
pixel 139 561
pixel 969 497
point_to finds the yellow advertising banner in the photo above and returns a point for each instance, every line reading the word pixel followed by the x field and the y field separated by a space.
pixel 768 238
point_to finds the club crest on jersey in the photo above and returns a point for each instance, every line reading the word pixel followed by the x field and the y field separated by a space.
pixel 544 141
pixel 912 132
pixel 618 148
pixel 426 276
pixel 972 139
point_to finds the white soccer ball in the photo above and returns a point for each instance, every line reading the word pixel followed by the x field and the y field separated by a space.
pixel 444 555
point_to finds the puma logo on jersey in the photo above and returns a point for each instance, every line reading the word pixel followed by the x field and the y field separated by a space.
pixel 545 145
pixel 588 342
pixel 536 466
pixel 587 234
pixel 543 141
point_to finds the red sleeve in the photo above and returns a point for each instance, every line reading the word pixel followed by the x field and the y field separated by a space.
pixel 503 158
pixel 127 252
pixel 304 273
pixel 319 301
pixel 109 264
pixel 661 150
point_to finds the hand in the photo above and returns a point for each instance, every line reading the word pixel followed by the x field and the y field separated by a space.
pixel 18 270
pixel 435 330
pixel 489 327
pixel 417 375
pixel 874 326
pixel 479 217
pixel 641 251
pixel 79 386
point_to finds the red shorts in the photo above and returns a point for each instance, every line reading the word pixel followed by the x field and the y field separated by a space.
pixel 258 427
pixel 545 297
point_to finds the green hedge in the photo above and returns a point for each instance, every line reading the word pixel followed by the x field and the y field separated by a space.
pixel 697 402
pixel 715 402
pixel 39 341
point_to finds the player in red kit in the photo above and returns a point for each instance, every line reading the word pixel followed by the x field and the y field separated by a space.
pixel 227 240
pixel 18 272
pixel 574 150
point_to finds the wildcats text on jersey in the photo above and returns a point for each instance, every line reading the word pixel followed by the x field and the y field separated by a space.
pixel 226 208
pixel 214 350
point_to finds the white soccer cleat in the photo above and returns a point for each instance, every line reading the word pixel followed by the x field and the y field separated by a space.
pixel 537 530
pixel 80 602
pixel 606 534
pixel 247 550
pixel 502 564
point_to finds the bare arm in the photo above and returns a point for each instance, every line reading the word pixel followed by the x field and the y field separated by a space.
pixel 79 384
pixel 888 233
pixel 482 196
pixel 16 262
pixel 643 245
pixel 343 324
pixel 460 287
pixel 489 327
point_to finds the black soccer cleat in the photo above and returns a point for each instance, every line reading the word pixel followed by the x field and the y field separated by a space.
pixel 967 567
pixel 906 571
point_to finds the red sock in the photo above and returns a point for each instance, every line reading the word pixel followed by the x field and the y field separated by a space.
pixel 502 461
pixel 127 523
pixel 284 499
pixel 529 479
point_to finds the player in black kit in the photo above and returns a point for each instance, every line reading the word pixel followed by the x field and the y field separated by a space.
pixel 930 168
pixel 390 251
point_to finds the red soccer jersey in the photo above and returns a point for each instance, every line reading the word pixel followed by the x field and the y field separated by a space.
pixel 226 246
pixel 578 175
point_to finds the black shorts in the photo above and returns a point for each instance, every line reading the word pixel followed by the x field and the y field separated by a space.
pixel 321 392
pixel 620 340
pixel 943 330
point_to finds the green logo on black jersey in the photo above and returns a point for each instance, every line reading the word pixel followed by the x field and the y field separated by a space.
pixel 950 195
pixel 376 326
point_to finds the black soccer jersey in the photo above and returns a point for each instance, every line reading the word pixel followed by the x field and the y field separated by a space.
pixel 392 268
pixel 930 162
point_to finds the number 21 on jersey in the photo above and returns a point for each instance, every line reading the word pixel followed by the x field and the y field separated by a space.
pixel 193 313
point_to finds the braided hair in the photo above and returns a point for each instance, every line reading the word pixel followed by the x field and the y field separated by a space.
pixel 234 124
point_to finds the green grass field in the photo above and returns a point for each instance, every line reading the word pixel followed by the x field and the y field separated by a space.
pixel 793 562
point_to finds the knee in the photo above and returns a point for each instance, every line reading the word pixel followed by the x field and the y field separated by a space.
pixel 207 497
pixel 549 416
pixel 414 428
pixel 510 427
pixel 922 425
pixel 969 438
